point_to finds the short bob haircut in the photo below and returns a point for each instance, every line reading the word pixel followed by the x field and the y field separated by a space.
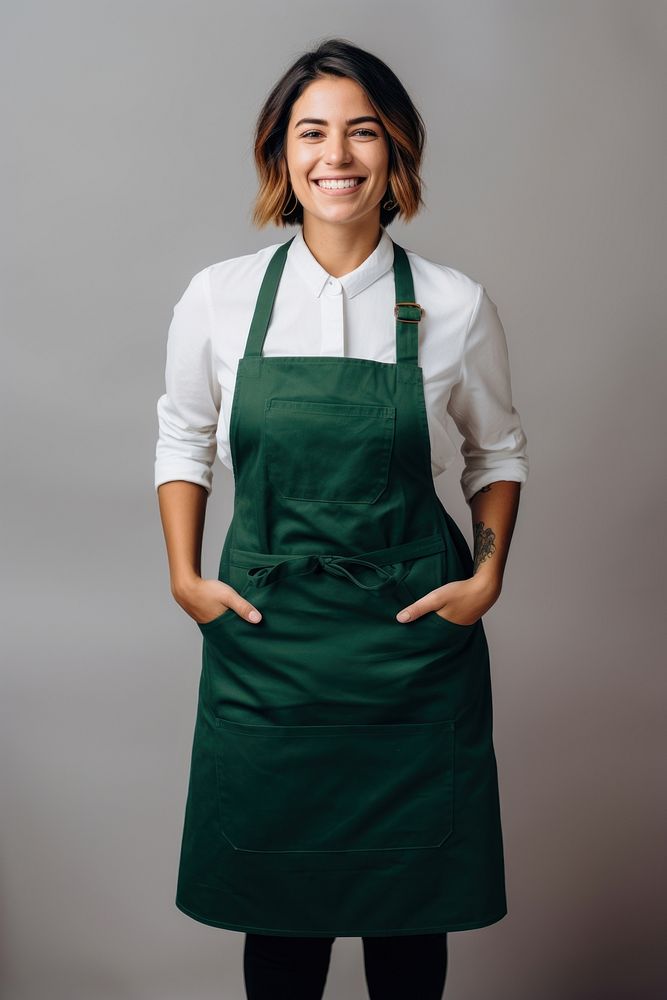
pixel 404 127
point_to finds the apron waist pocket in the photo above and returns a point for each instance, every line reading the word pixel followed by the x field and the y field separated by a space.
pixel 358 787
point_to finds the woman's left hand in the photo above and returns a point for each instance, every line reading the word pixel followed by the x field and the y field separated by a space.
pixel 461 601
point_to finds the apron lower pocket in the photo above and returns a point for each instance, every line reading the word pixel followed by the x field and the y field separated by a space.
pixel 348 788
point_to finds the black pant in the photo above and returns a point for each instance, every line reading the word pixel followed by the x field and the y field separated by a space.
pixel 401 967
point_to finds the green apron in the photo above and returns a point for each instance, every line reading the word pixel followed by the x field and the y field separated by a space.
pixel 343 778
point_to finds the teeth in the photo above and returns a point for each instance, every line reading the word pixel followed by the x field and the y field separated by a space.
pixel 339 184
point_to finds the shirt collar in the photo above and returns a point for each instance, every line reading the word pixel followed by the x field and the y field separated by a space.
pixel 376 264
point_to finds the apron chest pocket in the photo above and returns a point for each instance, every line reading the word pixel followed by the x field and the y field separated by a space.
pixel 335 452
pixel 335 787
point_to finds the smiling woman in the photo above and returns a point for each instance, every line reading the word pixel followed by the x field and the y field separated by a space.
pixel 343 777
pixel 381 141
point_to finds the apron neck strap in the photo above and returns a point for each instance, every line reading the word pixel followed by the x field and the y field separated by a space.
pixel 406 310
pixel 265 300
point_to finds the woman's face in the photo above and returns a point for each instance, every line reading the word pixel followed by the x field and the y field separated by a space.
pixel 340 145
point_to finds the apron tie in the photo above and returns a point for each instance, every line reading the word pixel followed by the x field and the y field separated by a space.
pixel 266 574
pixel 266 568
pixel 334 565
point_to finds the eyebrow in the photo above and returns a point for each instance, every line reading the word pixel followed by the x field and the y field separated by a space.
pixel 350 121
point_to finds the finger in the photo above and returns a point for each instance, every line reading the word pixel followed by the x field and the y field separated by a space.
pixel 416 610
pixel 242 607
pixel 246 610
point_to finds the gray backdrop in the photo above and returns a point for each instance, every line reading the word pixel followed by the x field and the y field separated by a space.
pixel 127 134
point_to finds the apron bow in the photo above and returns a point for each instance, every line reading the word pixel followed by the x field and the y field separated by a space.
pixel 264 575
pixel 385 566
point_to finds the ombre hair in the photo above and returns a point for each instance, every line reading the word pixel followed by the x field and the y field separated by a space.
pixel 404 126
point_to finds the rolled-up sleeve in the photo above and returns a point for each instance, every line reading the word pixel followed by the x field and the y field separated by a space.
pixel 480 403
pixel 188 411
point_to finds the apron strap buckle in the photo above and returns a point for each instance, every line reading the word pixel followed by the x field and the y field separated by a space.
pixel 412 308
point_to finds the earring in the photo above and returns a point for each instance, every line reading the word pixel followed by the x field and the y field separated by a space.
pixel 389 204
pixel 296 203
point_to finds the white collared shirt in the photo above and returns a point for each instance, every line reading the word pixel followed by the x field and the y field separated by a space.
pixel 462 352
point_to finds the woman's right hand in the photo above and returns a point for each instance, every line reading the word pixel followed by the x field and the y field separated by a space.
pixel 205 600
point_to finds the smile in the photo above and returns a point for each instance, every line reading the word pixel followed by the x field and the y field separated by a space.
pixel 336 186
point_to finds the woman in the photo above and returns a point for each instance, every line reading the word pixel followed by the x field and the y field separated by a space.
pixel 343 778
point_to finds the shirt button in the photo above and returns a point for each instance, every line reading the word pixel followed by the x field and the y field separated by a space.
pixel 335 286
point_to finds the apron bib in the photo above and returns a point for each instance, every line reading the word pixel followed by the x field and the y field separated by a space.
pixel 343 779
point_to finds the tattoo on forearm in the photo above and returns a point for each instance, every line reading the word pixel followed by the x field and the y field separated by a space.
pixel 484 543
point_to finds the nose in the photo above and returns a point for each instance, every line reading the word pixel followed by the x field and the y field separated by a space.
pixel 336 149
